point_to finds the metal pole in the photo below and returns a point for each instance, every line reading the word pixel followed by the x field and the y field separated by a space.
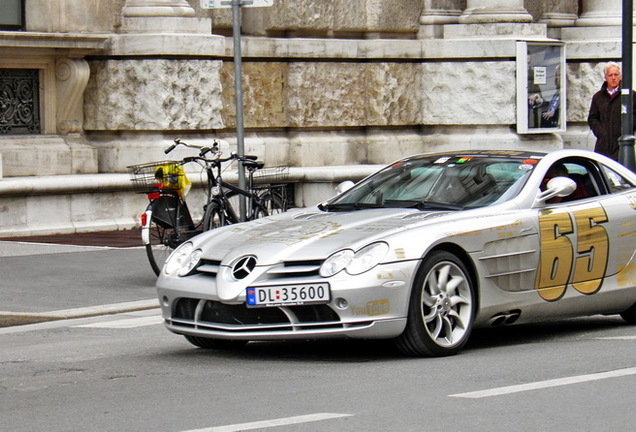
pixel 626 141
pixel 238 91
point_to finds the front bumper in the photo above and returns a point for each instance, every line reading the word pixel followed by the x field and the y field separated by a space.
pixel 372 305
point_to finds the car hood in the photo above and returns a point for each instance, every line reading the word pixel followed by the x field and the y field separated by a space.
pixel 308 234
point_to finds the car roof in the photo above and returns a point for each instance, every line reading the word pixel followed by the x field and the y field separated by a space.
pixel 521 154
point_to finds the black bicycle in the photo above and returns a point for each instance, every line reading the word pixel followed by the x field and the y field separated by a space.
pixel 167 221
pixel 224 206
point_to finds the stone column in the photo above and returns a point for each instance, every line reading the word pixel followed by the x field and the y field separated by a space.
pixel 557 14
pixel 558 19
pixel 165 16
pixel 596 13
pixel 495 19
pixel 598 20
pixel 435 14
pixel 495 11
pixel 148 8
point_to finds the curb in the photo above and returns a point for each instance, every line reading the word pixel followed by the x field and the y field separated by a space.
pixel 10 319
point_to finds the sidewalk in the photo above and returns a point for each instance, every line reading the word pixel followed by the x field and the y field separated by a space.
pixel 54 277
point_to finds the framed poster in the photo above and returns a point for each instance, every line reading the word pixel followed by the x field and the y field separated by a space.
pixel 540 87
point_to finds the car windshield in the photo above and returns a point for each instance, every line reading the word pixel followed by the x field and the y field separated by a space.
pixel 439 182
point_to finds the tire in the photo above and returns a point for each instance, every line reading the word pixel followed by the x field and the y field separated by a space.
pixel 167 230
pixel 232 211
pixel 273 203
pixel 213 217
pixel 258 211
pixel 233 202
pixel 159 248
pixel 441 310
pixel 630 314
pixel 208 343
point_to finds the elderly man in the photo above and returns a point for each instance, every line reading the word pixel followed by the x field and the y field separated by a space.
pixel 604 117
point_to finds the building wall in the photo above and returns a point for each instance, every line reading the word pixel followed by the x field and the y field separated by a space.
pixel 325 82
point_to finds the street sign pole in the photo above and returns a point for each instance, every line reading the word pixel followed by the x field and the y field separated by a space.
pixel 236 6
pixel 626 154
pixel 238 94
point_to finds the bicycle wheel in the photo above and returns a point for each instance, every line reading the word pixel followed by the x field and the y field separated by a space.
pixel 159 248
pixel 273 203
pixel 232 207
pixel 213 216
pixel 169 224
pixel 257 211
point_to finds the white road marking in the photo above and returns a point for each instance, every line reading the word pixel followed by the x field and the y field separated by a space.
pixel 617 338
pixel 126 323
pixel 272 423
pixel 547 384
pixel 17 248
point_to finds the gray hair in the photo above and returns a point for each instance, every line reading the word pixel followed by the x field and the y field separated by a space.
pixel 611 65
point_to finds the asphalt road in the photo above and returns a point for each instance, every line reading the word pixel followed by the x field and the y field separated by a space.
pixel 126 372
pixel 52 277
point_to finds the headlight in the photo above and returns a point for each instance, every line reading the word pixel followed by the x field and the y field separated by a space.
pixel 182 260
pixel 367 258
pixel 336 262
pixel 354 262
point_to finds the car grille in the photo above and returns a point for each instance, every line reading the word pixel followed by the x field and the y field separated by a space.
pixel 209 267
pixel 287 269
pixel 295 269
pixel 205 314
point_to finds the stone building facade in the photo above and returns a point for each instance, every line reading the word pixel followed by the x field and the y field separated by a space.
pixel 325 82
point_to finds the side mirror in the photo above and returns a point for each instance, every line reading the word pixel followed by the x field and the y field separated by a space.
pixel 557 187
pixel 344 186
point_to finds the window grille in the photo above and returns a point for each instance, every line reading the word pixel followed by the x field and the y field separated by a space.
pixel 20 101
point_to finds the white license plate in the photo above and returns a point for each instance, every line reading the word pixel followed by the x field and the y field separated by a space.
pixel 288 295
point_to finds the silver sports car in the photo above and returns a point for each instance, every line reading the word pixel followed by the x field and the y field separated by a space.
pixel 421 252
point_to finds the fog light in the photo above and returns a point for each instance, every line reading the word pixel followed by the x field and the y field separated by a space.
pixel 165 301
pixel 341 303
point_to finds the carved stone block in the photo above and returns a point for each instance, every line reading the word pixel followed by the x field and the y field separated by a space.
pixel 153 95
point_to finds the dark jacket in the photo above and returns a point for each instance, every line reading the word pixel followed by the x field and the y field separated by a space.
pixel 604 119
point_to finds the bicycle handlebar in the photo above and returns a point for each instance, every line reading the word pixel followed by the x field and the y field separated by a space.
pixel 203 150
pixel 250 161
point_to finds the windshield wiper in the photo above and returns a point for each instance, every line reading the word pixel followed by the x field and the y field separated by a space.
pixel 339 207
pixel 432 205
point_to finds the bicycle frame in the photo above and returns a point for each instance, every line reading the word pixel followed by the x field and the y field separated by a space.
pixel 254 203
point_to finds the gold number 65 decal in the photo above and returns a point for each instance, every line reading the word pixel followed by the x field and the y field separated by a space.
pixel 559 256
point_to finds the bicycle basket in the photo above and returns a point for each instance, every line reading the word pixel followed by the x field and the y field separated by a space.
pixel 271 175
pixel 164 175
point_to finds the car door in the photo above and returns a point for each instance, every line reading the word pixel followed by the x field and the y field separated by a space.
pixel 587 240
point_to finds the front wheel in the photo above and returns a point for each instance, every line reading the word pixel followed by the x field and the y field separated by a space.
pixel 441 310
pixel 213 216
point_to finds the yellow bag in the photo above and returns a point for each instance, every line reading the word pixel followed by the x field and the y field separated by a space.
pixel 173 176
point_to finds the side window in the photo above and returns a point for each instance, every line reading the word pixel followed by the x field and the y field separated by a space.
pixel 585 183
pixel 586 186
pixel 617 182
